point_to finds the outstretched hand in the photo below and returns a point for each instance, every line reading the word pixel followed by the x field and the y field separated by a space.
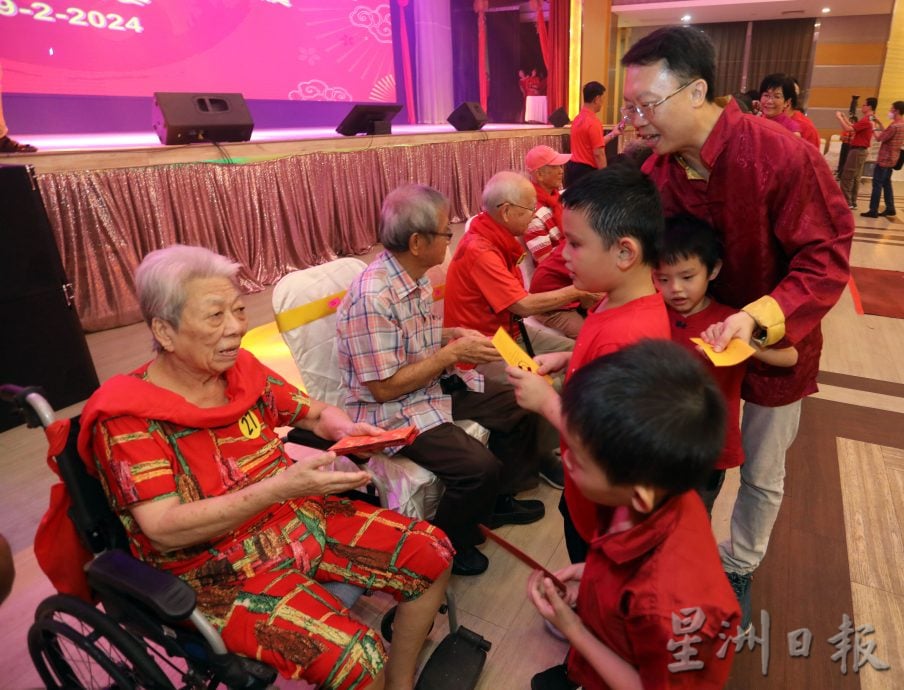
pixel 314 476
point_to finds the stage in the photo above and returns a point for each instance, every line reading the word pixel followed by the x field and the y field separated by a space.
pixel 285 200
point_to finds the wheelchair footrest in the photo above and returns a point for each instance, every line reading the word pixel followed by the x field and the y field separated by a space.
pixel 456 663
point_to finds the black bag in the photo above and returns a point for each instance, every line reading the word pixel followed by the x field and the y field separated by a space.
pixel 900 163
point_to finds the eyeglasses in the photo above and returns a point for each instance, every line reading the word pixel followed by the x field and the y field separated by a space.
pixel 766 96
pixel 447 235
pixel 647 110
pixel 512 203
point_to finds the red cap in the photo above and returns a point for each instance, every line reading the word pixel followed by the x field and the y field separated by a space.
pixel 539 156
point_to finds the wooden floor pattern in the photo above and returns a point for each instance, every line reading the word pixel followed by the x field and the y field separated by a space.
pixel 836 549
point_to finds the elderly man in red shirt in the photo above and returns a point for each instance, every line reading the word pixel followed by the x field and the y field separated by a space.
pixel 860 142
pixel 787 237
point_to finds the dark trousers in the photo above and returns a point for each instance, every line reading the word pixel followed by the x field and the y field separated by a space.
pixel 710 489
pixel 575 171
pixel 882 184
pixel 574 543
pixel 474 474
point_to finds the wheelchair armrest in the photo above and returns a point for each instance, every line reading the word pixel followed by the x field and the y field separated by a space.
pixel 164 593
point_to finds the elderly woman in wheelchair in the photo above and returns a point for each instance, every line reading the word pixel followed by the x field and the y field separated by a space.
pixel 189 457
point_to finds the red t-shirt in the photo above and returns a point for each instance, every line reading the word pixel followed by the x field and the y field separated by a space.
pixel 650 588
pixel 604 332
pixel 484 280
pixel 551 273
pixel 586 137
pixel 729 378
pixel 808 131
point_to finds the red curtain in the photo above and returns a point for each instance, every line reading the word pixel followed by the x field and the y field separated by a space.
pixel 557 83
pixel 542 34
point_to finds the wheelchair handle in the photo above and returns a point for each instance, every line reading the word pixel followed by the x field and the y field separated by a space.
pixel 30 403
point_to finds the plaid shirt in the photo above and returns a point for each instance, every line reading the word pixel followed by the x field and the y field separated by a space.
pixel 384 323
pixel 892 140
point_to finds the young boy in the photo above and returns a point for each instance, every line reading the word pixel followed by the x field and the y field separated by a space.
pixel 690 258
pixel 612 223
pixel 654 609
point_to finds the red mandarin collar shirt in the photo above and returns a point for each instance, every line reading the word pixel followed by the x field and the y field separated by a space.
pixel 484 279
pixel 638 581
pixel 787 232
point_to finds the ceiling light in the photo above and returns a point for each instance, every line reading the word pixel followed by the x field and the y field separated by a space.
pixel 826 10
pixel 686 18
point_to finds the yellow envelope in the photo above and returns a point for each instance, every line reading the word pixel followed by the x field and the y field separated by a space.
pixel 513 354
pixel 737 351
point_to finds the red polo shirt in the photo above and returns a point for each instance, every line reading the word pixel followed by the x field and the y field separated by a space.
pixel 586 137
pixel 729 378
pixel 604 332
pixel 863 133
pixel 648 588
pixel 786 228
pixel 484 280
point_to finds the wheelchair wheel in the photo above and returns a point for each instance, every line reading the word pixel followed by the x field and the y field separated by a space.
pixel 75 645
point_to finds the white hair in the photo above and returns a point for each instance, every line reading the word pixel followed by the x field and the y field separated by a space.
pixel 501 187
pixel 409 209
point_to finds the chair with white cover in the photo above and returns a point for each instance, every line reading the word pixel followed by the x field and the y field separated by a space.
pixel 305 304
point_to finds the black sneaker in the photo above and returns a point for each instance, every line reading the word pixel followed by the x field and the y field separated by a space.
pixel 469 561
pixel 869 214
pixel 510 511
pixel 886 212
pixel 555 678
pixel 741 585
pixel 551 470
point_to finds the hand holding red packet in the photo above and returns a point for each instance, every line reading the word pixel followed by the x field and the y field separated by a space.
pixel 367 445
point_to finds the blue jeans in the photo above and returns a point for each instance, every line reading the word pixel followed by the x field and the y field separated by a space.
pixel 766 434
pixel 882 183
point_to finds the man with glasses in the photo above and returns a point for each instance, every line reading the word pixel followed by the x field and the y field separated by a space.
pixel 399 368
pixel 485 289
pixel 787 234
pixel 861 140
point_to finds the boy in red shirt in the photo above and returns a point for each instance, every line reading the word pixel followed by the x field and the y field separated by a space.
pixel 653 608
pixel 613 221
pixel 690 258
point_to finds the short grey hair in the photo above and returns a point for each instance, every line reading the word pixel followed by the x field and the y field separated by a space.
pixel 161 278
pixel 501 187
pixel 409 209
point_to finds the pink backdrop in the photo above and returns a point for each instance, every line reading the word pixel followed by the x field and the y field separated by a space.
pixel 323 50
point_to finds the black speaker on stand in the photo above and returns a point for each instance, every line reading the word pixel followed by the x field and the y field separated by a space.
pixel 467 117
pixel 43 343
pixel 559 117
pixel 185 118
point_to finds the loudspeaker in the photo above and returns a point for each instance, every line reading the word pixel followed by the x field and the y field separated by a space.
pixel 43 343
pixel 467 117
pixel 183 118
pixel 559 118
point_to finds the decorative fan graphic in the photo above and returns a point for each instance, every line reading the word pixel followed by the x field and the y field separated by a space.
pixel 384 89
pixel 317 90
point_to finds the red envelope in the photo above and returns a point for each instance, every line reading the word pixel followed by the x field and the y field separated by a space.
pixel 367 445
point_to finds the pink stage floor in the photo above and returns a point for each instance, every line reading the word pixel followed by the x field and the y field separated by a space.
pixel 131 140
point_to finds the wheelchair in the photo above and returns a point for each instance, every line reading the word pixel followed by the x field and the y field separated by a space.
pixel 150 633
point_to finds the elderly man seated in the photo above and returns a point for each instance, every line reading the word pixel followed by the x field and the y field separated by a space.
pixel 545 238
pixel 398 366
pixel 484 287
pixel 547 170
